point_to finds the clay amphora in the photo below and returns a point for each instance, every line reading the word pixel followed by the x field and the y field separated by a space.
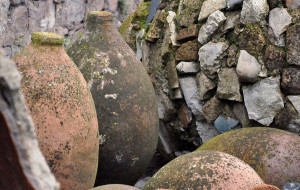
pixel 124 98
pixel 22 165
pixel 62 109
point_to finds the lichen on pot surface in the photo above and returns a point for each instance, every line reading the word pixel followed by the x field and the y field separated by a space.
pixel 274 154
pixel 124 99
pixel 205 170
pixel 62 109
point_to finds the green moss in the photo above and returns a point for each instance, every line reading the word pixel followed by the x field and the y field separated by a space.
pixel 124 27
pixel 47 38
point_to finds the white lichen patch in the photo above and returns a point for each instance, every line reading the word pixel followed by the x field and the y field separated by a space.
pixel 112 96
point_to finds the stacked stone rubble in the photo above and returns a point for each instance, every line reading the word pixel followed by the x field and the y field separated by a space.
pixel 19 18
pixel 226 64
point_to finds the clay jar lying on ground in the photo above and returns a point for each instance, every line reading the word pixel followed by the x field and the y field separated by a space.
pixel 62 109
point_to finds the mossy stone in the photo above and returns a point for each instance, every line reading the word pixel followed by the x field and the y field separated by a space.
pixel 47 38
pixel 273 153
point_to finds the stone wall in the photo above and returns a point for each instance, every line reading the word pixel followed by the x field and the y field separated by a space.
pixel 218 65
pixel 19 18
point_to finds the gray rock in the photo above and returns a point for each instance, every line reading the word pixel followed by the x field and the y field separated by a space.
pixel 254 11
pixel 187 67
pixel 152 10
pixel 185 115
pixel 139 39
pixel 212 109
pixel 190 92
pixel 241 114
pixel 291 186
pixel 210 56
pixel 290 82
pixel 228 85
pixel 233 18
pixel 279 21
pixel 205 86
pixel 172 27
pixel 214 21
pixel 232 58
pixel 293 44
pixel 248 68
pixel 165 107
pixel 293 4
pixel 233 4
pixel 4 9
pixel 206 131
pixel 225 124
pixel 263 100
pixel 210 6
pixel 295 101
pixel 172 74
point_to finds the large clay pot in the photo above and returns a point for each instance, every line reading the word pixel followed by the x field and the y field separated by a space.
pixel 124 99
pixel 115 187
pixel 205 170
pixel 62 109
pixel 22 165
pixel 273 153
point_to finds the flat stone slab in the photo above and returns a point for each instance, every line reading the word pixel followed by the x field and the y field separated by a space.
pixel 263 100
pixel 211 6
pixel 295 101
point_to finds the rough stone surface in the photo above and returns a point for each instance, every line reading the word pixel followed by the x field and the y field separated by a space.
pixel 188 51
pixel 214 21
pixel 293 44
pixel 185 115
pixel 293 4
pixel 18 19
pixel 212 109
pixel 190 92
pixel 210 6
pixel 172 27
pixel 295 100
pixel 263 100
pixel 206 131
pixel 252 40
pixel 225 124
pixel 210 56
pixel 254 11
pixel 275 59
pixel 205 86
pixel 241 114
pixel 188 67
pixel 290 82
pixel 279 21
pixel 165 107
pixel 248 68
pixel 228 85
pixel 232 53
pixel 188 33
pixel 189 13
pixel 233 4
pixel 232 20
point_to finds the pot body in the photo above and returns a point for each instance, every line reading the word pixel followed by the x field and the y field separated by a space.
pixel 124 99
pixel 64 114
pixel 274 154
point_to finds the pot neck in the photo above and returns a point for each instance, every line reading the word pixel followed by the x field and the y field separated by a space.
pixel 100 21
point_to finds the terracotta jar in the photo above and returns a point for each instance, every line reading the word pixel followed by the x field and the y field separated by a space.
pixel 115 187
pixel 22 165
pixel 274 154
pixel 62 110
pixel 205 170
pixel 124 99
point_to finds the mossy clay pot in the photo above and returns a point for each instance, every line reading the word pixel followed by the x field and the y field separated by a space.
pixel 22 165
pixel 265 187
pixel 274 154
pixel 62 109
pixel 205 170
pixel 115 187
pixel 124 98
